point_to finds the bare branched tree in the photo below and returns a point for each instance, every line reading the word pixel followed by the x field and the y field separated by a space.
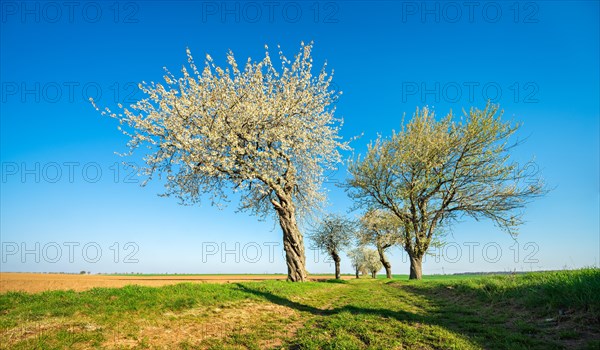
pixel 333 234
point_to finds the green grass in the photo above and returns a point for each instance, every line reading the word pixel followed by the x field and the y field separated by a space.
pixel 550 310
pixel 438 277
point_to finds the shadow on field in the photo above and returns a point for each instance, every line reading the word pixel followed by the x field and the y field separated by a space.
pixel 540 315
pixel 334 281
pixel 490 324
pixel 402 315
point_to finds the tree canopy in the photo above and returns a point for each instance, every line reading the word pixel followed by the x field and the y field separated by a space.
pixel 253 129
pixel 333 234
pixel 433 172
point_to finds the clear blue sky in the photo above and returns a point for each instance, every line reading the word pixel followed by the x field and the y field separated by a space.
pixel 538 60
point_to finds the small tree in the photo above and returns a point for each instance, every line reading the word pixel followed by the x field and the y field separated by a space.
pixel 382 229
pixel 372 262
pixel 358 260
pixel 432 172
pixel 333 234
pixel 265 133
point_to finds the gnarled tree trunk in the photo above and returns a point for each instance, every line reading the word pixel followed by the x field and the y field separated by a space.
pixel 357 271
pixel 385 262
pixel 416 267
pixel 336 259
pixel 293 242
pixel 388 269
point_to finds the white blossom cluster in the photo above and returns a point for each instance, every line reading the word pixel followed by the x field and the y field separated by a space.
pixel 266 133
pixel 381 228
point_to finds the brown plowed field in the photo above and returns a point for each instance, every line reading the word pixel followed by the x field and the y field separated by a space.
pixel 39 282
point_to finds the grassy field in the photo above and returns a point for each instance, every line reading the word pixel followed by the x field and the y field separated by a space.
pixel 550 310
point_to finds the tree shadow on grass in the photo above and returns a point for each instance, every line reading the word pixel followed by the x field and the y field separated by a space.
pixel 333 280
pixel 480 324
pixel 519 316
pixel 273 298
